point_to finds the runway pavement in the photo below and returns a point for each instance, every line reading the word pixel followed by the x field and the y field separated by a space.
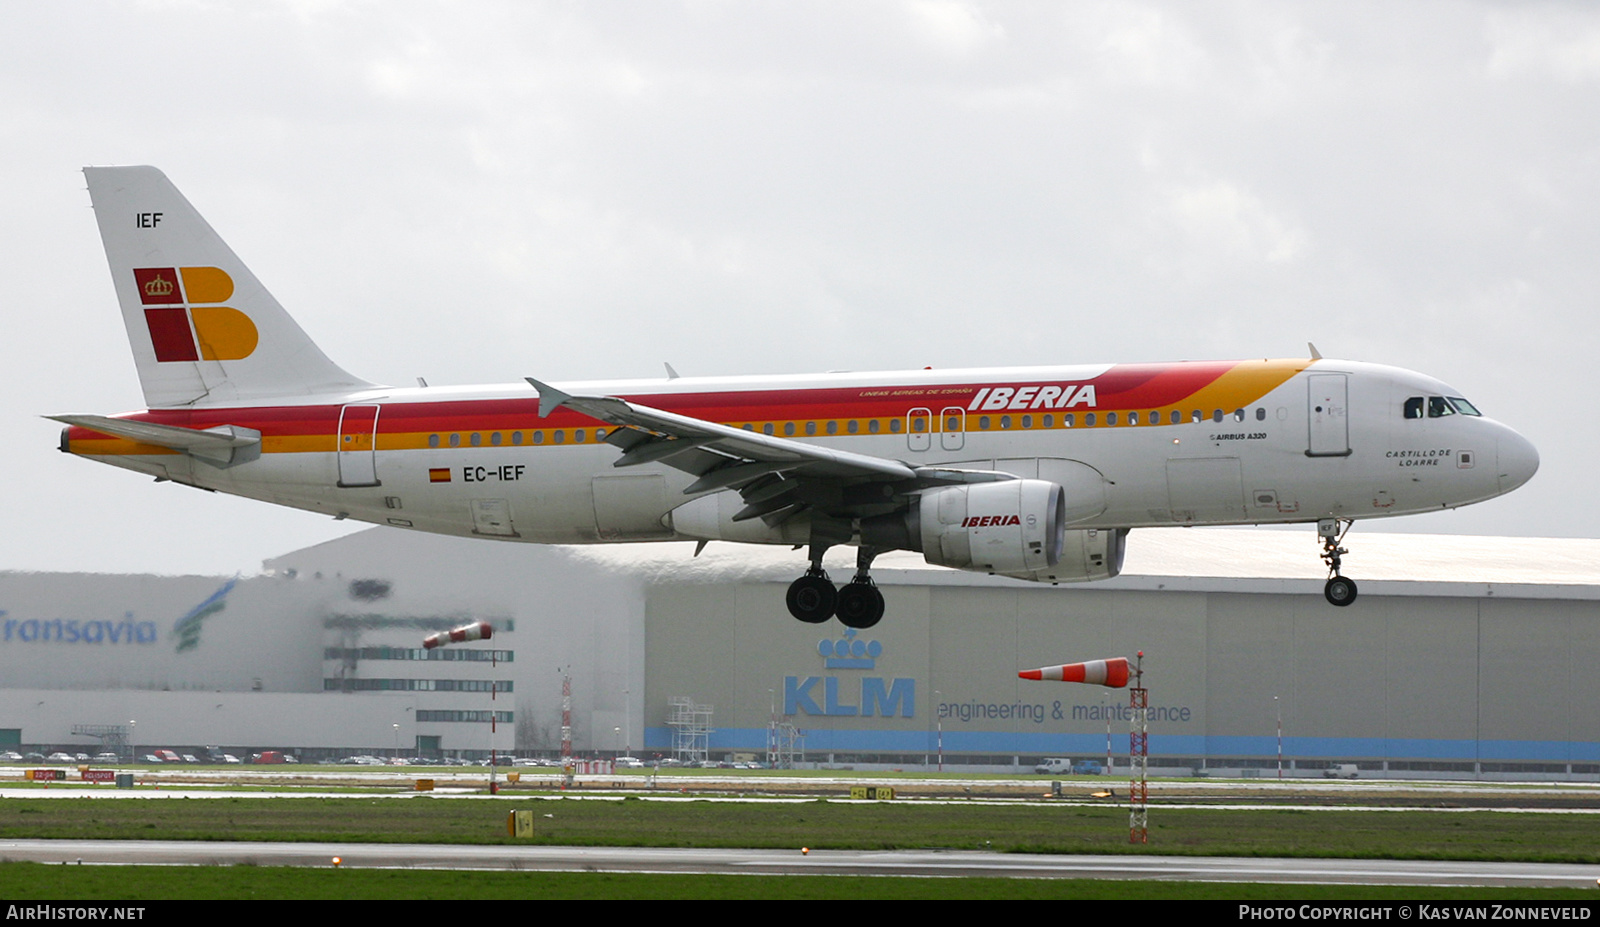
pixel 793 862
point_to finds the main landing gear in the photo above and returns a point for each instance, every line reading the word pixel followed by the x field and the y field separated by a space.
pixel 813 599
pixel 1340 590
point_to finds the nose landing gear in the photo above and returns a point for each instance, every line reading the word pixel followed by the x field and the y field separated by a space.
pixel 1340 590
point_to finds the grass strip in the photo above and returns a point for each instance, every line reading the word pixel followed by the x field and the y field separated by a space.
pixel 1030 827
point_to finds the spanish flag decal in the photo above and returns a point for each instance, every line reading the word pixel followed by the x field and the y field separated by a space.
pixel 438 474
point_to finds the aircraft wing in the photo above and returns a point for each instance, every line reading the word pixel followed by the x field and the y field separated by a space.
pixel 777 477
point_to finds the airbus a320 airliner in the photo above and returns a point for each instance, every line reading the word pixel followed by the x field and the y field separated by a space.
pixel 1034 473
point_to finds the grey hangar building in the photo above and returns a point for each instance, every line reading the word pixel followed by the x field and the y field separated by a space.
pixel 1463 657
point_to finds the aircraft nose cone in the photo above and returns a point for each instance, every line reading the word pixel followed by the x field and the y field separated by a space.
pixel 1519 461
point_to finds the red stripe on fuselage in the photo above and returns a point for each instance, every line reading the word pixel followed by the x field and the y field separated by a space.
pixel 1128 386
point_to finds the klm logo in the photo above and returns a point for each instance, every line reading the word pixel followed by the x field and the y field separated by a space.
pixel 858 697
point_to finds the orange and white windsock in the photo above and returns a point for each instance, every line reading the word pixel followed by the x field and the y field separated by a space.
pixel 471 632
pixel 1112 673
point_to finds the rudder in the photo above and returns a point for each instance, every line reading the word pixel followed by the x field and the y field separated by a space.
pixel 202 328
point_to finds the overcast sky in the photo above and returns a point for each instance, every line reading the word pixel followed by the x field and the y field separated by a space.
pixel 477 192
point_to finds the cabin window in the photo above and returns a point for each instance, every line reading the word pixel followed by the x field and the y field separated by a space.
pixel 1176 417
pixel 455 440
pixel 1068 420
pixel 1088 419
pixel 918 425
pixel 1238 415
pixel 1133 418
pixel 1049 421
pixel 599 434
pixel 874 425
pixel 767 428
pixel 1261 414
pixel 1197 416
pixel 433 440
pixel 1438 407
pixel 788 429
pixel 983 423
pixel 749 427
pixel 811 428
pixel 538 437
pixel 894 426
pixel 477 439
pixel 833 428
pixel 494 439
pixel 1027 421
pixel 1216 415
pixel 1005 421
pixel 1111 418
pixel 516 437
pixel 560 436
pixel 852 426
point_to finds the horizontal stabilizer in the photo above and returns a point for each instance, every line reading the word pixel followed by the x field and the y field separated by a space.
pixel 220 445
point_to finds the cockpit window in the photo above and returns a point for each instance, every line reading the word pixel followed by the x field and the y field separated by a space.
pixel 1414 407
pixel 1463 406
pixel 1438 407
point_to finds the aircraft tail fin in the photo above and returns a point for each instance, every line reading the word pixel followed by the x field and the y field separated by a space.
pixel 202 327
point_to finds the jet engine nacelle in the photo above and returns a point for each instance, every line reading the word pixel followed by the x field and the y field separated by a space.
pixel 1086 555
pixel 1014 526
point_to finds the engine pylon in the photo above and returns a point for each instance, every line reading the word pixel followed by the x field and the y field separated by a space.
pixel 1112 673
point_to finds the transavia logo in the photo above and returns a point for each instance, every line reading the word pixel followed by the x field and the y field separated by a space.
pixel 854 696
pixel 186 324
pixel 187 628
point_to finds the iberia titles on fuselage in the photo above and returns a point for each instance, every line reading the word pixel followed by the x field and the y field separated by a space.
pixel 1034 473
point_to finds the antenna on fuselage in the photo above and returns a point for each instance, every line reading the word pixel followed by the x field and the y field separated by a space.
pixel 1315 354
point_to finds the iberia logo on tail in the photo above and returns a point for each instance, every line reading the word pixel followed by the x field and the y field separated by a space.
pixel 185 322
